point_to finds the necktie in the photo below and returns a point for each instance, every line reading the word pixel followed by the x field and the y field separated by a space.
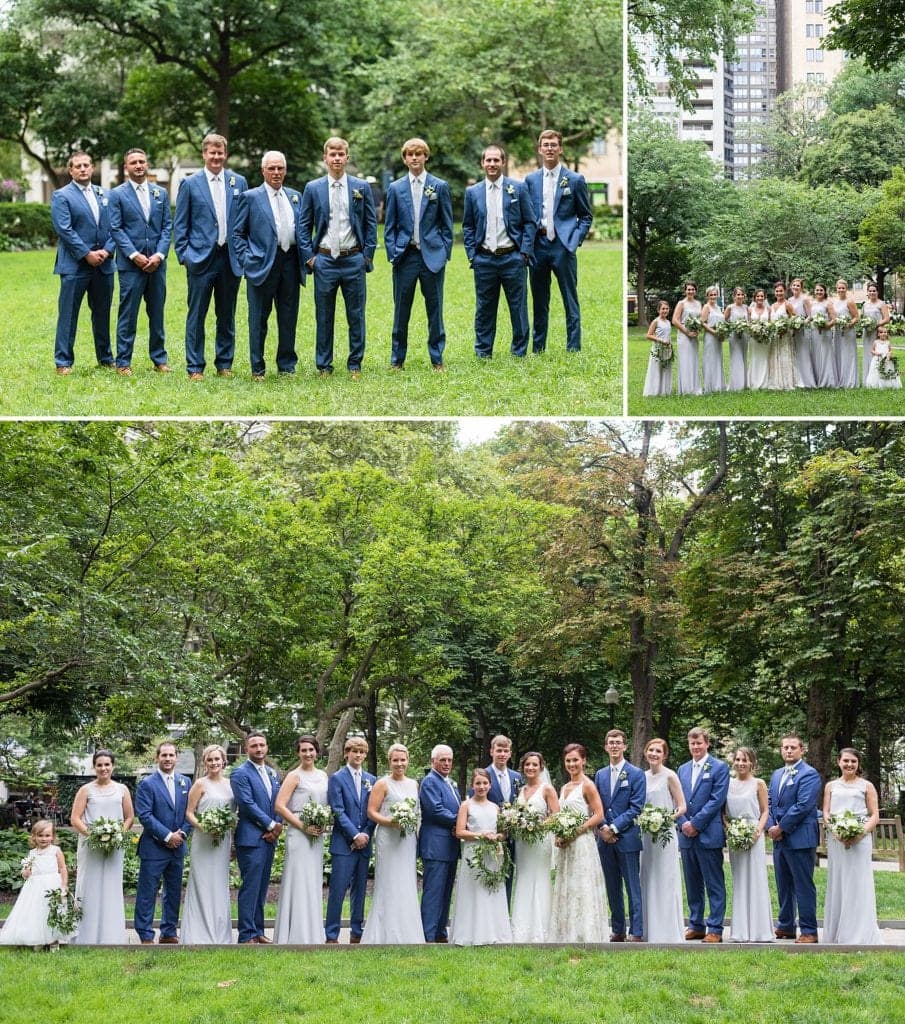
pixel 357 776
pixel 219 197
pixel 614 775
pixel 284 224
pixel 171 789
pixel 786 775
pixel 145 201
pixel 416 210
pixel 493 230
pixel 92 202
pixel 504 784
pixel 549 194
pixel 335 210
pixel 695 774
pixel 262 771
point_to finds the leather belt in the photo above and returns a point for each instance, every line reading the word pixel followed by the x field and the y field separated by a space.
pixel 499 252
pixel 342 252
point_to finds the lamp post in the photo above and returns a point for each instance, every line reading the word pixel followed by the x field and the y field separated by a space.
pixel 611 699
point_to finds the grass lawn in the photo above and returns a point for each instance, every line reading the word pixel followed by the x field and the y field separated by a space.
pixel 808 402
pixel 450 986
pixel 587 383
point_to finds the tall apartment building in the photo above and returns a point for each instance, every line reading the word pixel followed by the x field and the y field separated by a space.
pixel 755 86
pixel 802 26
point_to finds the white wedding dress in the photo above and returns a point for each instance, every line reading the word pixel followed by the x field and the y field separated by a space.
pixel 661 882
pixel 99 877
pixel 850 908
pixel 27 922
pixel 300 908
pixel 395 916
pixel 752 914
pixel 579 910
pixel 480 917
pixel 532 893
pixel 207 918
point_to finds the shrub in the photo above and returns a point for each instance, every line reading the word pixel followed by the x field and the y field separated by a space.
pixel 607 222
pixel 25 226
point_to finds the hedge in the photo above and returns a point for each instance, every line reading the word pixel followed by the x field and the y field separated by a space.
pixel 25 226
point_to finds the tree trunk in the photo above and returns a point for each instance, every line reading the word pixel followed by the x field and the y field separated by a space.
pixel 641 278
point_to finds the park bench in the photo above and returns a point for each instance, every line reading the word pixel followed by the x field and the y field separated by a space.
pixel 889 841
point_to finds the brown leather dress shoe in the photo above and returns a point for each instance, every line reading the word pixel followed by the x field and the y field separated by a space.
pixel 224 373
pixel 163 368
pixel 124 371
pixel 331 942
pixel 355 374
pixel 691 935
pixel 64 371
pixel 262 940
pixel 713 937
pixel 168 940
pixel 805 939
pixel 196 376
pixel 617 937
pixel 354 940
pixel 635 938
pixel 780 934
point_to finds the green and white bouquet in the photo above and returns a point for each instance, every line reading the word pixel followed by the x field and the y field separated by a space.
pixel 693 324
pixel 217 822
pixel 567 823
pixel 843 323
pixel 490 861
pixel 845 825
pixel 106 835
pixel 722 329
pixel 657 822
pixel 740 833
pixel 317 815
pixel 796 322
pixel 780 326
pixel 522 821
pixel 760 332
pixel 819 320
pixel 662 351
pixel 405 813
pixel 63 911
pixel 865 325
pixel 888 368
pixel 739 327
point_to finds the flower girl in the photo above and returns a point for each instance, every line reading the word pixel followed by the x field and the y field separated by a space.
pixel 883 372
pixel 43 869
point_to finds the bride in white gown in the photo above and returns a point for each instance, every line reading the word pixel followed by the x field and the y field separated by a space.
pixel 533 890
pixel 395 916
pixel 579 912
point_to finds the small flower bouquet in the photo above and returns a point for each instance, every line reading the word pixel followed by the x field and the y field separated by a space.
pixel 63 911
pixel 490 861
pixel 760 332
pixel 796 322
pixel 567 823
pixel 317 815
pixel 662 351
pixel 740 833
pixel 405 814
pixel 106 835
pixel 657 822
pixel 888 368
pixel 216 822
pixel 843 323
pixel 845 825
pixel 28 862
pixel 738 327
pixel 865 325
pixel 722 329
pixel 819 320
pixel 693 324
pixel 781 325
pixel 522 822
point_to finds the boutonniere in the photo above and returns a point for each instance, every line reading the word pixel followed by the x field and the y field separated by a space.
pixel 104 201
pixel 366 784
pixel 98 191
pixel 295 200
pixel 430 192
pixel 182 785
pixel 563 182
pixel 510 190
pixel 155 193
pixel 232 181
pixel 356 194
pixel 705 769
pixel 623 775
pixel 791 772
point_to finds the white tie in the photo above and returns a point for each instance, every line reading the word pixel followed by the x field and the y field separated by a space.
pixel 144 199
pixel 284 228
pixel 262 771
pixel 786 775
pixel 416 210
pixel 549 194
pixel 92 202
pixel 357 776
pixel 171 789
pixel 335 209
pixel 614 775
pixel 219 197
pixel 492 221
pixel 505 789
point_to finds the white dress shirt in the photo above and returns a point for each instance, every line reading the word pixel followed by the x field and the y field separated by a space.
pixel 495 237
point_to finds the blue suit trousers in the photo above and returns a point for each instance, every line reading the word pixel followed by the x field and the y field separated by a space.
pixel 220 282
pixel 255 863
pixel 438 879
pixel 491 273
pixel 794 870
pixel 553 259
pixel 622 868
pixel 281 289
pixel 346 274
pixel 73 288
pixel 703 871
pixel 347 872
pixel 408 271
pixel 135 285
pixel 150 874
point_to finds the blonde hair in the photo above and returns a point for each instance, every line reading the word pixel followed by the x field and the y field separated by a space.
pixel 415 143
pixel 335 142
pixel 39 826
pixel 397 748
pixel 209 749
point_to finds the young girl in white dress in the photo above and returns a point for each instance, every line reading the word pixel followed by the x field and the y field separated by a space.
pixel 687 341
pixel 661 879
pixel 712 360
pixel 738 341
pixel 658 381
pixel 532 893
pixel 822 344
pixel 480 916
pixel 752 915
pixel 208 915
pixel 43 869
pixel 880 351
pixel 878 312
pixel 850 907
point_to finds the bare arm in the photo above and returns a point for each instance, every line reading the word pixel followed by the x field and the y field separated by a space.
pixel 128 810
pixel 678 797
pixel 378 792
pixel 195 794
pixel 78 810
pixel 762 803
pixel 64 871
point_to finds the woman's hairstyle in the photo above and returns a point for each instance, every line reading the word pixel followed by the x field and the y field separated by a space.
pixel 662 743
pixel 102 753
pixel 532 753
pixel 397 748
pixel 822 287
pixel 210 749
pixel 308 738
pixel 39 826
pixel 480 773
pixel 577 748
pixel 852 753
pixel 749 753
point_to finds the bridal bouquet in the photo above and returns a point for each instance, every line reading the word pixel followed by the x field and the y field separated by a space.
pixel 567 823
pixel 521 821
pixel 739 327
pixel 63 911
pixel 781 325
pixel 845 825
pixel 760 332
pixel 843 323
pixel 216 822
pixel 819 320
pixel 657 822
pixel 865 324
pixel 490 861
pixel 740 833
pixel 662 352
pixel 405 813
pixel 693 324
pixel 722 329
pixel 318 815
pixel 797 322
pixel 105 835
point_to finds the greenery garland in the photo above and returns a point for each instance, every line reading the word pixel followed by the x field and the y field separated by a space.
pixel 490 861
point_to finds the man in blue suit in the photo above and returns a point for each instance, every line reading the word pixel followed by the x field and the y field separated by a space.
pixel 562 197
pixel 141 225
pixel 337 237
pixel 255 788
pixel 160 804
pixel 80 216
pixel 204 206
pixel 792 825
pixel 504 786
pixel 705 783
pixel 498 228
pixel 350 842
pixel 418 233
pixel 438 847
pixel 623 789
pixel 262 242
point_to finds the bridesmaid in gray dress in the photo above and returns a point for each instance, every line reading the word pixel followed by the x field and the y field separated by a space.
pixel 845 342
pixel 712 316
pixel 822 347
pixel 300 910
pixel 687 342
pixel 878 311
pixel 738 342
pixel 99 878
pixel 208 917
pixel 801 339
pixel 752 915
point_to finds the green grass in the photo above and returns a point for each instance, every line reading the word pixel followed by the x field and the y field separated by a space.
pixel 587 383
pixel 808 402
pixel 450 986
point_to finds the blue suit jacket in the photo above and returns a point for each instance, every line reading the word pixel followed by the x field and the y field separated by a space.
pixel 495 796
pixel 624 805
pixel 350 812
pixel 253 232
pixel 195 225
pixel 131 232
pixel 77 234
pixel 795 808
pixel 439 808
pixel 315 219
pixel 518 215
pixel 159 817
pixel 571 205
pixel 436 222
pixel 255 808
pixel 704 807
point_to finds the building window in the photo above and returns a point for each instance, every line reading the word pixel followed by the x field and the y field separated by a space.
pixel 818 55
pixel 809 54
pixel 598 147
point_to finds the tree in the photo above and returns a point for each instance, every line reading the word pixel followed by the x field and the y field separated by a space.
pixel 791 130
pixel 858 148
pixel 880 238
pixel 874 33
